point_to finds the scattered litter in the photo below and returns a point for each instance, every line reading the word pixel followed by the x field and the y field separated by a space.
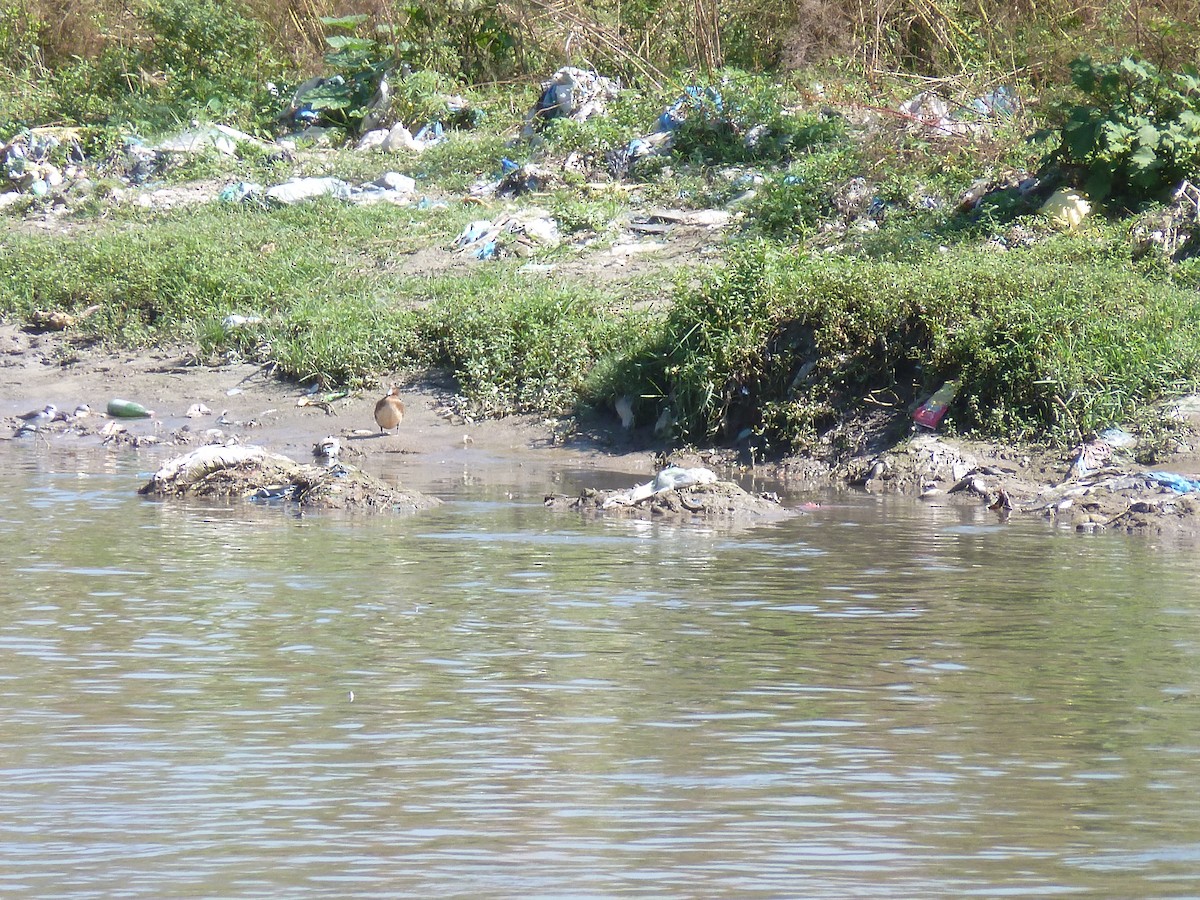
pixel 196 410
pixel 703 218
pixel 1173 231
pixel 930 413
pixel 297 190
pixel 127 409
pixel 234 321
pixel 200 138
pixel 1066 209
pixel 239 192
pixel 624 250
pixel 997 102
pixel 25 160
pixel 520 234
pixel 394 181
pixel 1178 483
pixel 570 93
pixel 398 138
pixel 391 187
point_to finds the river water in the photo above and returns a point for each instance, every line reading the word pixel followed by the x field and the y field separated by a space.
pixel 875 699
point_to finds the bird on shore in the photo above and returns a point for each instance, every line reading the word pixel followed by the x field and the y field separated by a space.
pixel 389 411
pixel 33 421
pixel 327 450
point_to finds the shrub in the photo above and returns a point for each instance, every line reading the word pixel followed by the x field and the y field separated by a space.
pixel 1047 342
pixel 738 119
pixel 1137 133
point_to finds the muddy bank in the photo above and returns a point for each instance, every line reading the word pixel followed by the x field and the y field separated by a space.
pixel 234 472
pixel 241 403
pixel 706 500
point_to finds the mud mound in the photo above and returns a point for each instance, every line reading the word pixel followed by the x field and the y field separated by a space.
pixel 253 473
pixel 720 502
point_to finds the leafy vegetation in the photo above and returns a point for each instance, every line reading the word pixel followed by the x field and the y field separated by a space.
pixel 1053 341
pixel 1136 135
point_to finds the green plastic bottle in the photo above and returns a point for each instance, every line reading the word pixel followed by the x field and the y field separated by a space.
pixel 127 409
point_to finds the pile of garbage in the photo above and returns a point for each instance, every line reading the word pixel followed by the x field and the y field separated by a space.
pixel 518 234
pixel 1175 231
pixel 391 187
pixel 514 180
pixel 26 161
pixel 570 93
pixel 931 114
pixel 399 139
pixel 253 473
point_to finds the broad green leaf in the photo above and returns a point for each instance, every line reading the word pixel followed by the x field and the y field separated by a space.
pixel 1099 182
pixel 327 102
pixel 1116 135
pixel 346 22
pixel 350 42
pixel 1080 139
pixel 1148 136
pixel 1143 159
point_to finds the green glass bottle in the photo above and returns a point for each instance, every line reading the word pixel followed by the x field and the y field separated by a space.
pixel 127 409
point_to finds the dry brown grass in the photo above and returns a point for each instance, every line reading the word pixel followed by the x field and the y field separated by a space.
pixel 929 36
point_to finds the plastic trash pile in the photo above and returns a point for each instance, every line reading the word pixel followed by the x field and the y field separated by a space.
pixel 510 235
pixel 27 166
pixel 305 112
pixel 663 136
pixel 932 114
pixel 669 479
pixel 570 93
pixel 398 139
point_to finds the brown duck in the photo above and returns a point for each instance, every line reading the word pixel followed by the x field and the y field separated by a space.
pixel 389 411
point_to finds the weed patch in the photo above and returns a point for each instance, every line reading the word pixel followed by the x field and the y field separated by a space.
pixel 784 343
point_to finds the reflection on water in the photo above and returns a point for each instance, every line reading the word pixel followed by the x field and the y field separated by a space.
pixel 874 699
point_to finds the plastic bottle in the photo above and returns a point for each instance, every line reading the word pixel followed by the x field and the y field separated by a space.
pixel 931 412
pixel 127 409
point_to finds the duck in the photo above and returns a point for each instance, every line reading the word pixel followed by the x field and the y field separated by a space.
pixel 389 411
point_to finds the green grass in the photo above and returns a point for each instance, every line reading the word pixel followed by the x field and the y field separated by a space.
pixel 1052 342
pixel 814 320
pixel 337 305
